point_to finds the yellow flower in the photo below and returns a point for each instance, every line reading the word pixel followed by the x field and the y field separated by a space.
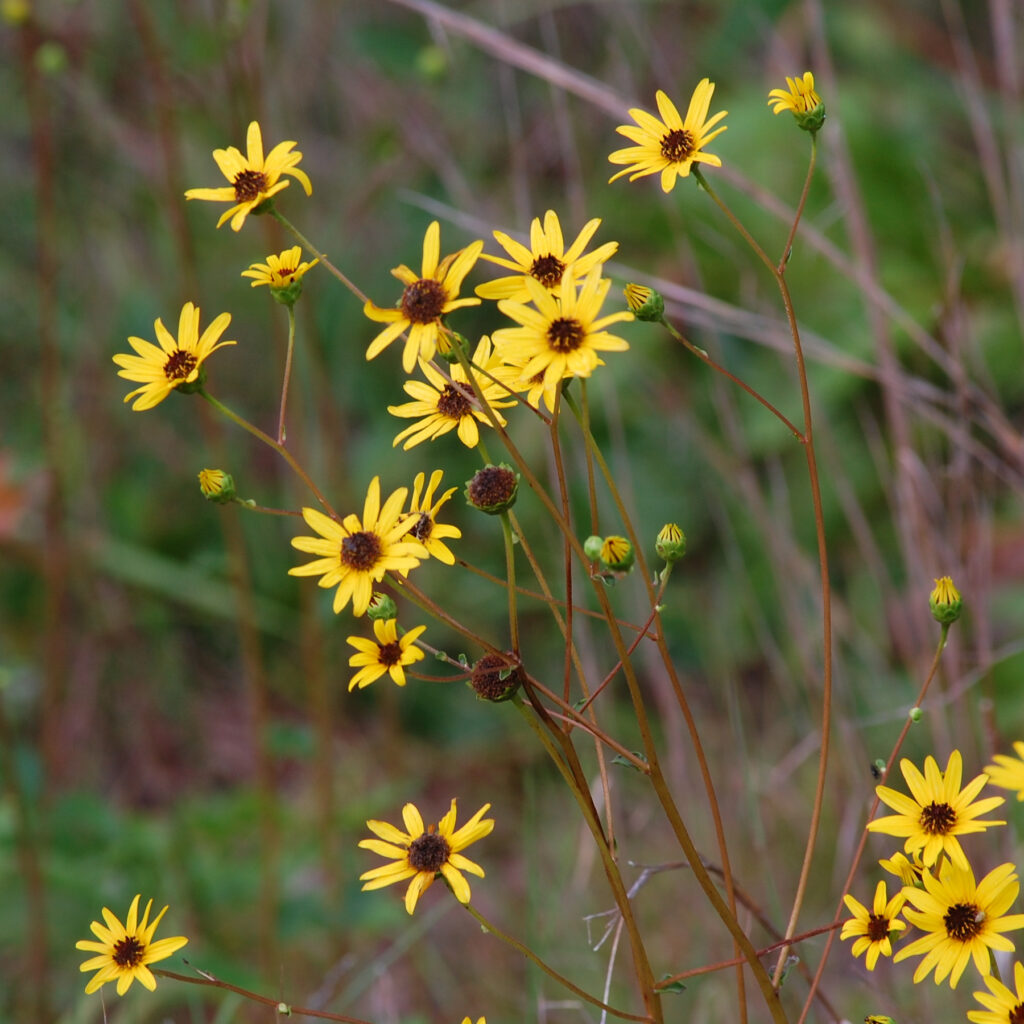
pixel 938 811
pixel 427 530
pixel 281 269
pixel 871 928
pixel 669 146
pixel 963 920
pixel 799 97
pixel 177 363
pixel 1004 1006
pixel 448 404
pixel 124 950
pixel 427 297
pixel 547 260
pixel 217 486
pixel 355 554
pixel 466 1020
pixel 945 601
pixel 422 853
pixel 1008 772
pixel 907 871
pixel 563 335
pixel 388 653
pixel 253 179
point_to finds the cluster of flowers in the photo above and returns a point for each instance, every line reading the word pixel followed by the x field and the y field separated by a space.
pixel 961 919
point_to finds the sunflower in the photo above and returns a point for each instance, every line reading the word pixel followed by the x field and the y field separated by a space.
pixel 1008 772
pixel 125 950
pixel 425 300
pixel 355 554
pixel 388 653
pixel 253 179
pixel 937 811
pixel 175 363
pixel 422 853
pixel 798 97
pixel 872 928
pixel 1004 1006
pixel 563 335
pixel 547 259
pixel 427 530
pixel 281 269
pixel 669 146
pixel 962 919
pixel 450 403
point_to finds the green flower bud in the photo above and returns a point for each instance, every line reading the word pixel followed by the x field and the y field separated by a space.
pixel 671 543
pixel 617 554
pixel 645 303
pixel 450 343
pixel 945 601
pixel 217 486
pixel 493 489
pixel 915 714
pixel 592 547
pixel 381 606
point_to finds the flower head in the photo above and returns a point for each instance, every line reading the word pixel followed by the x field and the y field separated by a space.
pixel 493 489
pixel 283 272
pixel 125 950
pixel 177 363
pixel 937 811
pixel 1003 1005
pixel 422 853
pixel 427 297
pixel 872 928
pixel 962 919
pixel 447 403
pixel 388 653
pixel 253 178
pixel 670 543
pixel 798 97
pixel 422 507
pixel 617 553
pixel 945 601
pixel 669 146
pixel 645 303
pixel 1008 772
pixel 217 486
pixel 908 871
pixel 562 335
pixel 356 553
pixel 547 260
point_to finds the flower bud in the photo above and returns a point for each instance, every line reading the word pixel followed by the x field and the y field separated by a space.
pixel 217 486
pixel 493 489
pixel 592 547
pixel 645 303
pixel 915 714
pixel 945 601
pixel 495 678
pixel 671 543
pixel 450 343
pixel 381 606
pixel 617 554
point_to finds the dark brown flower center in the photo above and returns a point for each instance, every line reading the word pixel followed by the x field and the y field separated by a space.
pixel 565 334
pixel 429 853
pixel 963 921
pixel 937 819
pixel 423 301
pixel 454 402
pixel 548 270
pixel 878 927
pixel 677 145
pixel 1017 1014
pixel 495 677
pixel 491 486
pixel 249 185
pixel 179 364
pixel 390 654
pixel 128 951
pixel 423 528
pixel 360 551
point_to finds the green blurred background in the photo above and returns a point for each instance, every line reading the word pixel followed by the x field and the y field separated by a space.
pixel 174 708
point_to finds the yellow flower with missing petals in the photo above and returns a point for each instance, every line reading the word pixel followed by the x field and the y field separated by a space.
pixel 427 530
pixel 253 178
pixel 427 297
pixel 669 147
pixel 281 269
pixel 937 811
pixel 872 928
pixel 176 364
pixel 125 950
pixel 1008 772
pixel 355 554
pixel 422 853
pixel 388 653
pixel 798 97
pixel 962 919
pixel 1003 1005
pixel 547 259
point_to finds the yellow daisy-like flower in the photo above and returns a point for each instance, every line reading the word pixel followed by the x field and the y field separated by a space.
pixel 907 871
pixel 442 405
pixel 937 811
pixel 426 529
pixel 428 296
pixel 1004 1006
pixel 281 269
pixel 798 97
pixel 422 853
pixel 962 919
pixel 1008 772
pixel 670 146
pixel 125 950
pixel 355 554
pixel 388 653
pixel 253 178
pixel 547 259
pixel 872 928
pixel 563 335
pixel 177 363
